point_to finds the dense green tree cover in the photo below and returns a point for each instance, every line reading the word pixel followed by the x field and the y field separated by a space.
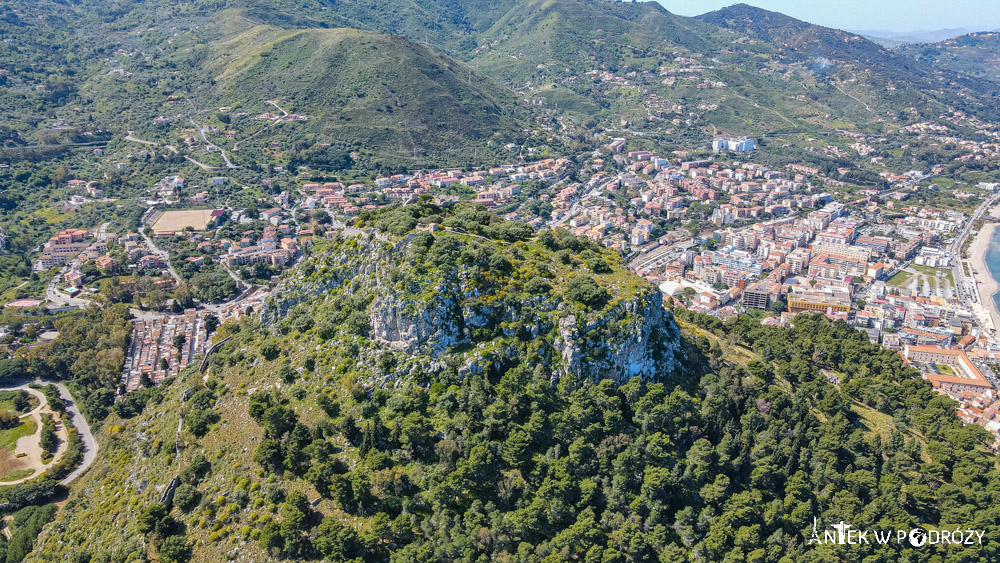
pixel 88 355
pixel 26 526
pixel 213 284
pixel 471 219
pixel 48 440
pixel 19 496
pixel 730 465
pixel 53 398
pixel 132 403
pixel 175 549
pixel 165 531
pixel 584 289
pixel 357 449
pixel 186 497
pixel 9 420
pixel 199 414
pixel 11 368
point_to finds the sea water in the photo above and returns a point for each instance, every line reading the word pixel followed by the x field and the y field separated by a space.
pixel 992 260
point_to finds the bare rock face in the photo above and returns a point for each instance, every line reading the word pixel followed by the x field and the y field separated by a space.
pixel 409 326
pixel 638 339
pixel 568 345
pixel 634 337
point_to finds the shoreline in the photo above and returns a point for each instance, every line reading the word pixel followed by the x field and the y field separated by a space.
pixel 986 286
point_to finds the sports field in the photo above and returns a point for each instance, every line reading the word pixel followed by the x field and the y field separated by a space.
pixel 178 220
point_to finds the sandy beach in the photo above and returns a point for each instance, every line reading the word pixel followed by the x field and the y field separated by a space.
pixel 985 283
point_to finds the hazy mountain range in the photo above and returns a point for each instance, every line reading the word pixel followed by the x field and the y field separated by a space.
pixel 894 38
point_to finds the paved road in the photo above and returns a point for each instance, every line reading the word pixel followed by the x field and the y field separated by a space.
pixel 129 137
pixel 59 297
pixel 270 124
pixel 38 395
pixel 102 235
pixel 239 283
pixel 207 142
pixel 279 108
pixel 958 270
pixel 201 133
pixel 90 446
pixel 161 253
pixel 201 164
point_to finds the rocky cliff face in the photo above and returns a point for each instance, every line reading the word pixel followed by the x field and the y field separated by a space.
pixel 443 314
pixel 410 326
pixel 638 338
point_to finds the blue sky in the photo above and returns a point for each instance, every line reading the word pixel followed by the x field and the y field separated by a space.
pixel 893 15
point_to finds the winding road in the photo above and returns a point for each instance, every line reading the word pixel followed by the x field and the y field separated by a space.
pixel 173 149
pixel 161 253
pixel 201 133
pixel 270 124
pixel 129 137
pixel 279 108
pixel 90 446
pixel 200 164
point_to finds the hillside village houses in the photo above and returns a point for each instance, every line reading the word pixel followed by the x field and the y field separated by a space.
pixel 493 187
pixel 769 237
pixel 269 249
pixel 64 246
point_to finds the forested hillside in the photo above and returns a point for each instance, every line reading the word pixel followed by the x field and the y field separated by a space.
pixel 381 95
pixel 83 74
pixel 583 34
pixel 441 397
pixel 364 90
pixel 403 374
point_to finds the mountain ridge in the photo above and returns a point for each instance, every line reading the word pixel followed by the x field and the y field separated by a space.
pixel 856 59
pixel 975 54
pixel 418 103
